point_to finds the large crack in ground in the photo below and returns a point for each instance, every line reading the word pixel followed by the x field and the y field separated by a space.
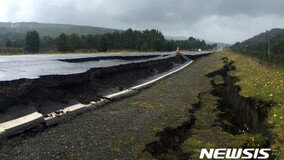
pixel 242 113
pixel 238 114
pixel 111 127
pixel 170 139
pixel 200 125
pixel 84 89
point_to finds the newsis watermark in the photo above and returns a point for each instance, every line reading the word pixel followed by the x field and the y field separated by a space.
pixel 235 153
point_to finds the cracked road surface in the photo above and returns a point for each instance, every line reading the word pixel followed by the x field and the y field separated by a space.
pixel 122 129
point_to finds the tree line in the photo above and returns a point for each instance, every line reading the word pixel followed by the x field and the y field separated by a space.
pixel 132 40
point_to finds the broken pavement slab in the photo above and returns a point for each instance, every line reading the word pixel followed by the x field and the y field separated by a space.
pixel 75 108
pixel 121 129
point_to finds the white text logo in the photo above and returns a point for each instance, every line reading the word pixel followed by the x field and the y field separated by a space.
pixel 235 153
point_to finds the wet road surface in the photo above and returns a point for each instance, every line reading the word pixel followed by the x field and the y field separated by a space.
pixel 34 66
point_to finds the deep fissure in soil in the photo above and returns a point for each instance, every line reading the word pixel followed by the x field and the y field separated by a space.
pixel 170 139
pixel 243 114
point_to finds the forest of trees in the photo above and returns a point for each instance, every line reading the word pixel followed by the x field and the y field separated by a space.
pixel 132 40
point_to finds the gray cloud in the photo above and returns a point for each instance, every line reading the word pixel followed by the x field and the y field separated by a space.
pixel 214 20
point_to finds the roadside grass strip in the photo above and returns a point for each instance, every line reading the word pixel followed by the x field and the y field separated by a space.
pixel 263 82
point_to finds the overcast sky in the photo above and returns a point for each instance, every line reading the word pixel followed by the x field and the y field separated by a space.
pixel 214 20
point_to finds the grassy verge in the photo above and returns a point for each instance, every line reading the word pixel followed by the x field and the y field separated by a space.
pixel 263 82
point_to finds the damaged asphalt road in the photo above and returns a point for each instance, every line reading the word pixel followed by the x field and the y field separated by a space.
pixel 124 129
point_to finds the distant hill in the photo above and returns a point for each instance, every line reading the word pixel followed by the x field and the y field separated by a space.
pixel 180 38
pixel 223 44
pixel 18 30
pixel 175 38
pixel 218 43
pixel 276 33
pixel 52 30
pixel 269 49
